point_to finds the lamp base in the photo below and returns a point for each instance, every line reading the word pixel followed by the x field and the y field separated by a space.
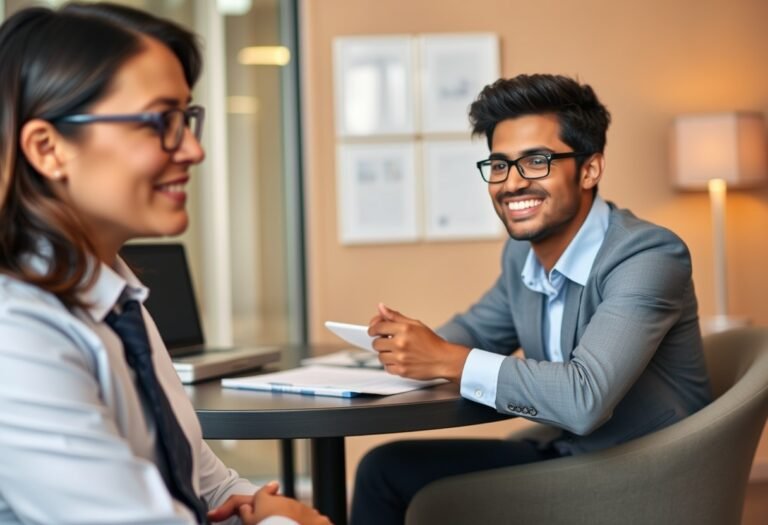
pixel 721 323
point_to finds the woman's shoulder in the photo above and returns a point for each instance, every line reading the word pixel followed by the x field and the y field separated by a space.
pixel 17 297
pixel 35 318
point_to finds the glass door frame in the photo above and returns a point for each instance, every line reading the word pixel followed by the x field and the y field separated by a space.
pixel 216 231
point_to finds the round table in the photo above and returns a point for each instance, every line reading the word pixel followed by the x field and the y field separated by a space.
pixel 238 414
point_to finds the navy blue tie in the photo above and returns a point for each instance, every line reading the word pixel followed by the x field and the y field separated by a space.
pixel 173 446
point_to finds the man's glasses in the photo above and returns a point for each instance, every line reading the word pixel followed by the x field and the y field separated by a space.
pixel 170 124
pixel 535 166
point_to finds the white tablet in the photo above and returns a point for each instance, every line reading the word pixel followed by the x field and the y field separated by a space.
pixel 354 334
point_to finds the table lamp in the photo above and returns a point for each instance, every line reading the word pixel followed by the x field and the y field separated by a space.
pixel 716 151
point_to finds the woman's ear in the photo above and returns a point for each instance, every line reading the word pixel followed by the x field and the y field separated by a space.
pixel 592 171
pixel 44 148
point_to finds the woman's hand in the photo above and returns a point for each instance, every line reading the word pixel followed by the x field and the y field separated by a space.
pixel 264 503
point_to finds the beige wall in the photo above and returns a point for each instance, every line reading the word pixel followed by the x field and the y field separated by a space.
pixel 647 61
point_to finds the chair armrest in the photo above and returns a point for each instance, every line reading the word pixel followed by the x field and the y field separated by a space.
pixel 548 492
pixel 629 484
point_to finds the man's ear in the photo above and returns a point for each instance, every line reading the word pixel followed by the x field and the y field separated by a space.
pixel 44 148
pixel 592 171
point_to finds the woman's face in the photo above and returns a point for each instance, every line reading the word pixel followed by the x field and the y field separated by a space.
pixel 117 176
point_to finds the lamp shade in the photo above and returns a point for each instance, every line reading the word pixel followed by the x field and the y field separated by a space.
pixel 729 146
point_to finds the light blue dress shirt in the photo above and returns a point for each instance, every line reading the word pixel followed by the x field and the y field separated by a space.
pixel 481 370
pixel 76 445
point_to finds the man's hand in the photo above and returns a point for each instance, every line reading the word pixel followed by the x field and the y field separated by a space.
pixel 409 348
pixel 264 503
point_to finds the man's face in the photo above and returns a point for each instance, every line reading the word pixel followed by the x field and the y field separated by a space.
pixel 542 209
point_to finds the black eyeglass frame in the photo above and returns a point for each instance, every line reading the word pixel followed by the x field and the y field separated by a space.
pixel 516 163
pixel 157 119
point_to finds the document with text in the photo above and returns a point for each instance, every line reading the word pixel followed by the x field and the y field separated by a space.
pixel 316 380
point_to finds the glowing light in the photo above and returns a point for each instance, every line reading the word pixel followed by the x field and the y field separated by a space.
pixel 264 56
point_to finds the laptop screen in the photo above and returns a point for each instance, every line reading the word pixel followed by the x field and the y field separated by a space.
pixel 164 270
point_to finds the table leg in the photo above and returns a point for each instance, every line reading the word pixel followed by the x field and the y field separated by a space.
pixel 287 468
pixel 329 484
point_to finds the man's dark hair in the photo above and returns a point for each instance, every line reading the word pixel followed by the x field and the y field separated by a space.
pixel 583 118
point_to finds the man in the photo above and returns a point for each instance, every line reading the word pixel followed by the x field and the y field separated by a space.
pixel 601 303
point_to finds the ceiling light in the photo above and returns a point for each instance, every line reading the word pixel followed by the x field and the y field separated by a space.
pixel 264 56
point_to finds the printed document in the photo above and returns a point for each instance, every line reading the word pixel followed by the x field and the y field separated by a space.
pixel 329 381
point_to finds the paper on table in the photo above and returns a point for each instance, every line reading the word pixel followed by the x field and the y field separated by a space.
pixel 351 357
pixel 329 381
pixel 354 334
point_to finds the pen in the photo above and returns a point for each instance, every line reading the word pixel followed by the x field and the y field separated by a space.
pixel 281 387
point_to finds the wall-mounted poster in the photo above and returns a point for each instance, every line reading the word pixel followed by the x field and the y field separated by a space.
pixel 377 193
pixel 454 69
pixel 374 87
pixel 456 200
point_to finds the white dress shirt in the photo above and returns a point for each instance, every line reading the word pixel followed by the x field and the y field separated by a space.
pixel 76 443
pixel 481 370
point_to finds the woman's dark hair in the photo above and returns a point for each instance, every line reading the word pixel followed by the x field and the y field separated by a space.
pixel 583 119
pixel 55 63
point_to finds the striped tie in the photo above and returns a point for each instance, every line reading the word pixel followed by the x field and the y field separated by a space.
pixel 173 445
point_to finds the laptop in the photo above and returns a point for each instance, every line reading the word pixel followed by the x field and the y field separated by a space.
pixel 164 270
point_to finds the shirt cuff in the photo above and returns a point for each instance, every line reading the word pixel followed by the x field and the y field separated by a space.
pixel 480 376
pixel 277 520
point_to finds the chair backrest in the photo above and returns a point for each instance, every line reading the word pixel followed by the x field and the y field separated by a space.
pixel 694 471
pixel 730 354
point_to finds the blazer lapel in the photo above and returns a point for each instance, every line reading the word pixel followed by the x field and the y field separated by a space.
pixel 570 318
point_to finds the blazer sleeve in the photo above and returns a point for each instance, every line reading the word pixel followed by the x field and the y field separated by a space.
pixel 641 296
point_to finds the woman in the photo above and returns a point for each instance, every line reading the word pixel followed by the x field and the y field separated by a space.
pixel 97 136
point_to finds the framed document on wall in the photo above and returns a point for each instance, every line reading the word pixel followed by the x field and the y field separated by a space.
pixel 374 86
pixel 377 193
pixel 454 69
pixel 456 201
pixel 405 164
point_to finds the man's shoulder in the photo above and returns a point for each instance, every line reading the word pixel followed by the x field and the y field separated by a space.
pixel 625 228
pixel 632 244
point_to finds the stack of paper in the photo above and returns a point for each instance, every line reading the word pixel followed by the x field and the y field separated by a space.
pixel 348 358
pixel 329 381
pixel 350 373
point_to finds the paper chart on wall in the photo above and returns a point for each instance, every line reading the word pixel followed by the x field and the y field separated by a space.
pixel 454 69
pixel 374 85
pixel 456 200
pixel 377 193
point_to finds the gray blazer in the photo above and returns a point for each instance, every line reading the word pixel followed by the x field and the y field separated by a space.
pixel 630 338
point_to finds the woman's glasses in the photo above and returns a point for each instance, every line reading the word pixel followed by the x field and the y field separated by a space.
pixel 170 124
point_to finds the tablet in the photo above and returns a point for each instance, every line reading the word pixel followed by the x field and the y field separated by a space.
pixel 354 334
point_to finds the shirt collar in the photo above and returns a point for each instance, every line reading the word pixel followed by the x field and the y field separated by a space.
pixel 576 261
pixel 113 286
